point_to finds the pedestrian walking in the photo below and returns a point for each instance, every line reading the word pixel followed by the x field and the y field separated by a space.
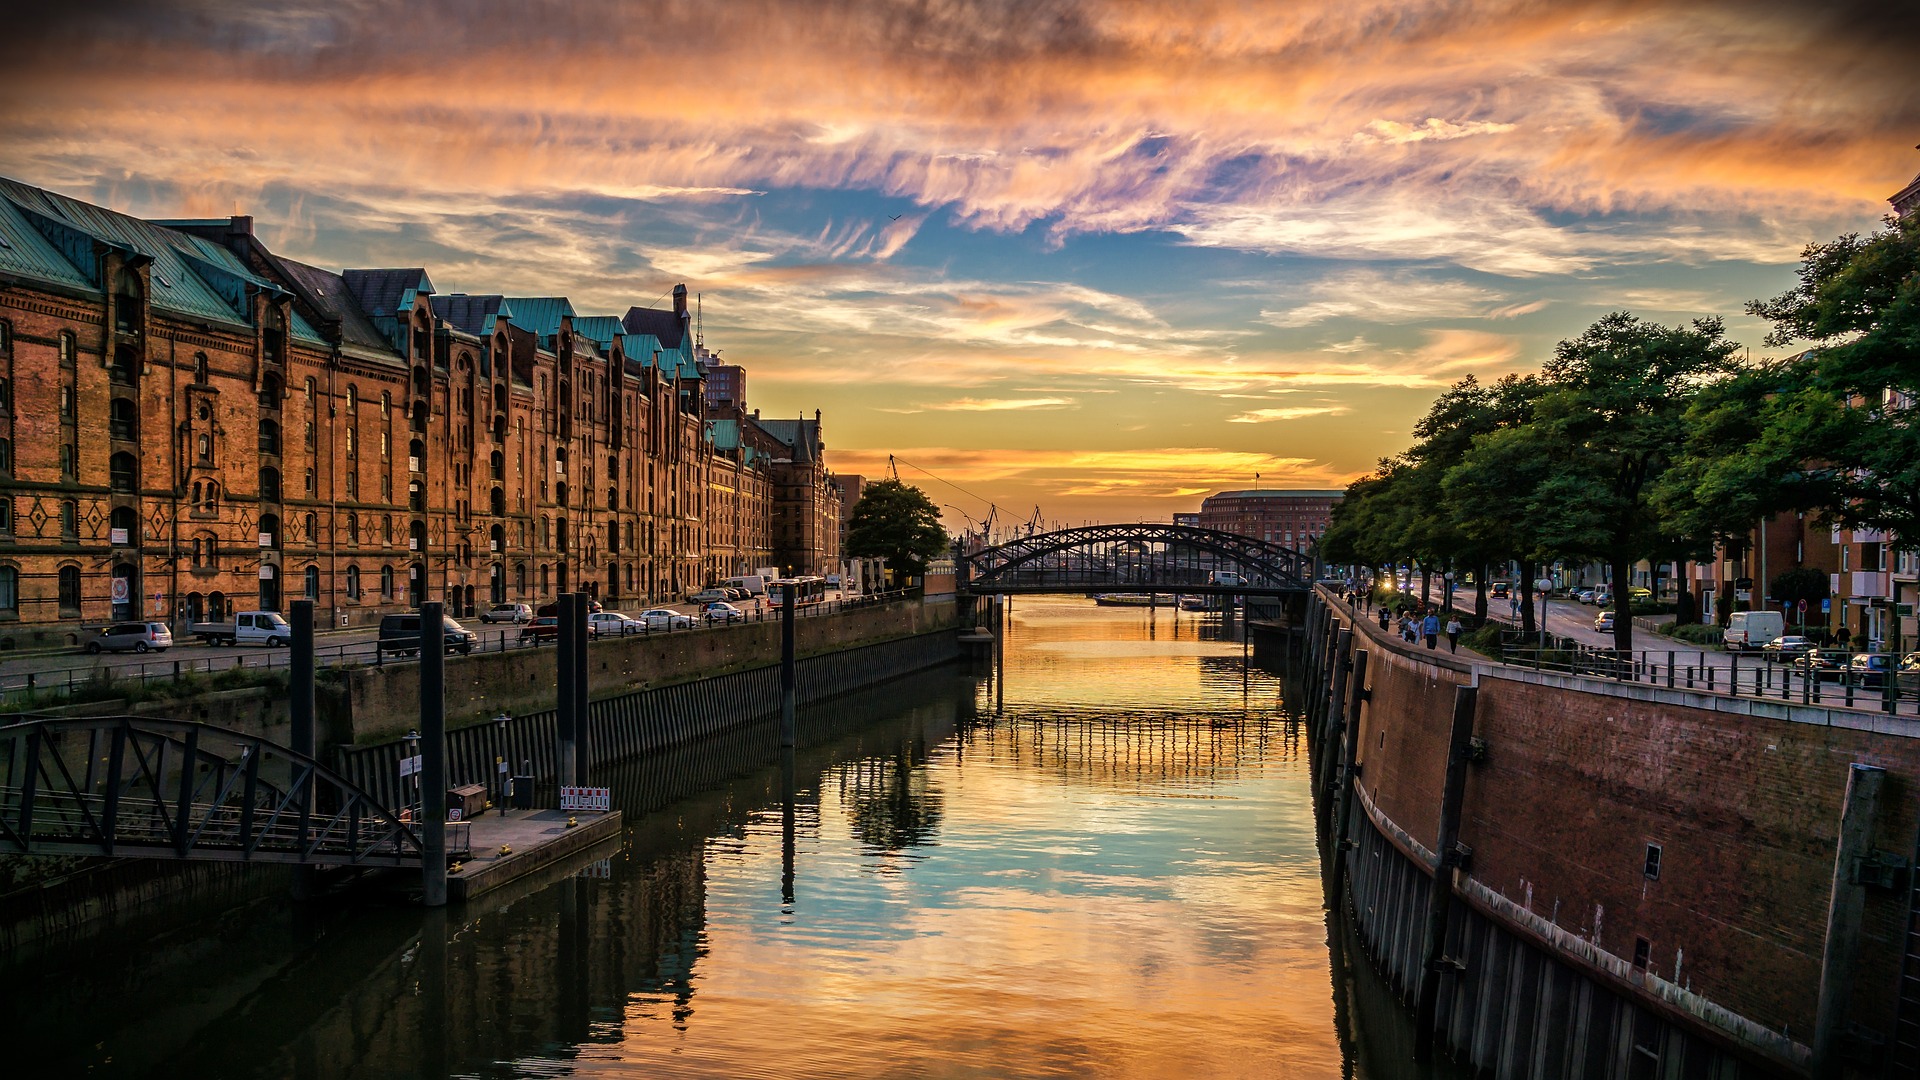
pixel 1430 629
pixel 1843 636
pixel 1453 634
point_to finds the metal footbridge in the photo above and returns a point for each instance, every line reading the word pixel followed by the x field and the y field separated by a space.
pixel 143 787
pixel 1144 557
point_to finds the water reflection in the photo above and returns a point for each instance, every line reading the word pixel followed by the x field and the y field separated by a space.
pixel 1114 876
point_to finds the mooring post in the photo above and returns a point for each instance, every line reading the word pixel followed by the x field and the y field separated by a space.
pixel 1345 768
pixel 433 755
pixel 1330 724
pixel 1857 816
pixel 1440 897
pixel 788 594
pixel 582 740
pixel 786 826
pixel 300 715
pixel 565 642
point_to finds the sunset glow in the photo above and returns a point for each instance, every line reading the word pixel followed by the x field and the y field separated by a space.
pixel 1102 258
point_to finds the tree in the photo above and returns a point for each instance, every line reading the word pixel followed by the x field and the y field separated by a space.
pixel 1836 428
pixel 1801 586
pixel 1610 419
pixel 897 522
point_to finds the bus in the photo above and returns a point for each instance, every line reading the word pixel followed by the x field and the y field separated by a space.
pixel 806 590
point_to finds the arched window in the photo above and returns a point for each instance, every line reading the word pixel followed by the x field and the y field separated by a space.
pixel 126 307
pixel 213 497
pixel 560 534
pixel 353 582
pixel 311 386
pixel 70 590
pixel 123 473
pixel 613 536
pixel 68 353
pixel 416 497
pixel 353 397
pixel 270 391
pixel 386 582
pixel 217 607
pixel 69 519
pixel 497 465
pixel 560 493
pixel 311 525
pixel 125 526
pixel 126 366
pixel 416 455
pixel 6 455
pixel 498 502
pixel 201 374
pixel 313 583
pixel 123 419
pixel 353 528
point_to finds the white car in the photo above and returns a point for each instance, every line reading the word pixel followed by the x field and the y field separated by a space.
pixel 614 624
pixel 721 611
pixel 666 619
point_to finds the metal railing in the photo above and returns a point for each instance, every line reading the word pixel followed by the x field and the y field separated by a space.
pixel 100 679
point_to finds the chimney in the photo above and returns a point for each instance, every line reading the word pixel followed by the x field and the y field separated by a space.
pixel 240 225
pixel 680 302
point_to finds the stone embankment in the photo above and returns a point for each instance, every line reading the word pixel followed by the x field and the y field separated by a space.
pixel 1638 880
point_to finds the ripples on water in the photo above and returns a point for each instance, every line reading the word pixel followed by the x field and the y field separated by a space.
pixel 1115 875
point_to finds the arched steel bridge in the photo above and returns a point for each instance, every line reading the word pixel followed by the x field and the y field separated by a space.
pixel 147 787
pixel 1148 556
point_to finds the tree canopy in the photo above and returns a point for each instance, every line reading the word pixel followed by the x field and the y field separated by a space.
pixel 896 521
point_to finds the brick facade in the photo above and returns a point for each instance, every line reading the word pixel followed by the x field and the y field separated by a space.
pixel 220 428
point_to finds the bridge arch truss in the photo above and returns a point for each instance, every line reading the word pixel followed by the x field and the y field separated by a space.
pixel 1147 556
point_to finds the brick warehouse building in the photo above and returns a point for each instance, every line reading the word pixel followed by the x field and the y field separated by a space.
pixel 1294 519
pixel 275 430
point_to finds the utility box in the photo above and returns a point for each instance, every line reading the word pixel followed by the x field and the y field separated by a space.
pixel 523 793
pixel 469 800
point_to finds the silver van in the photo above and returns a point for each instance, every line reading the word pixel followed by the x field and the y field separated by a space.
pixel 132 637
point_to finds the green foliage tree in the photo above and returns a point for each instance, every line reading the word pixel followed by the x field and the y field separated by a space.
pixel 1609 420
pixel 1802 584
pixel 896 521
pixel 1834 429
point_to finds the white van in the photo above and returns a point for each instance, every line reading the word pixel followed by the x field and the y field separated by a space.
pixel 1224 577
pixel 753 583
pixel 1748 630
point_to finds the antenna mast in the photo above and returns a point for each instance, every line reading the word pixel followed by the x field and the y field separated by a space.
pixel 699 305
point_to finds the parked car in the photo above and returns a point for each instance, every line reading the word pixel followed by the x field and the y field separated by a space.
pixel 614 624
pixel 1870 670
pixel 545 611
pixel 666 619
pixel 1786 648
pixel 1908 677
pixel 507 613
pixel 709 596
pixel 1636 594
pixel 1500 591
pixel 247 628
pixel 546 628
pixel 401 634
pixel 1584 596
pixel 1822 664
pixel 1603 621
pixel 1602 596
pixel 132 637
pixel 721 611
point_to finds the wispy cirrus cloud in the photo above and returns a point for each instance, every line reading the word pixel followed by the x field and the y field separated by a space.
pixel 1299 412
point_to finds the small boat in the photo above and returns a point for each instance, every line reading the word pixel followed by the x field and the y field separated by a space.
pixel 1193 603
pixel 1133 599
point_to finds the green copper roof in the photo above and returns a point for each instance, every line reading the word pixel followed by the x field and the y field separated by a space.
pixel 540 314
pixel 51 238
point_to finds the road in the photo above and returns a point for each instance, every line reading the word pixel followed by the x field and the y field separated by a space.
pixel 357 645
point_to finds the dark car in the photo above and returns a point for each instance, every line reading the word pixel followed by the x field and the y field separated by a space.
pixel 1500 590
pixel 1783 649
pixel 1870 669
pixel 546 628
pixel 401 634
pixel 1823 664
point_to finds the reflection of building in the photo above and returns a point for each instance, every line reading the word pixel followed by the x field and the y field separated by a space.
pixel 192 424
pixel 1292 519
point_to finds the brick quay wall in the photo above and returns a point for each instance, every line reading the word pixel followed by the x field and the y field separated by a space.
pixel 1646 871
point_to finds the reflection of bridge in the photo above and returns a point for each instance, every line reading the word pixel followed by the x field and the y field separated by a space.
pixel 1143 557
pixel 145 787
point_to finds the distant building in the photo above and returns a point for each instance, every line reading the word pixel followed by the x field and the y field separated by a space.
pixel 1189 520
pixel 1291 518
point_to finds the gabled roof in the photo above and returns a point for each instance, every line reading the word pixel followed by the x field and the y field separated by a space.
pixel 49 237
pixel 602 329
pixel 475 315
pixel 724 434
pixel 335 300
pixel 665 325
pixel 799 436
pixel 540 314
pixel 385 293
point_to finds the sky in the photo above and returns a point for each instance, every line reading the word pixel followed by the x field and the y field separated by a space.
pixel 1085 260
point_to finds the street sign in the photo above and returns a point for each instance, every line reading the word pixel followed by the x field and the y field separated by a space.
pixel 1826 605
pixel 409 766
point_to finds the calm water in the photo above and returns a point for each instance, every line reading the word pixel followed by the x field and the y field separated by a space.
pixel 1105 867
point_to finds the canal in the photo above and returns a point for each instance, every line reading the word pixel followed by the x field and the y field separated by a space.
pixel 1105 867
